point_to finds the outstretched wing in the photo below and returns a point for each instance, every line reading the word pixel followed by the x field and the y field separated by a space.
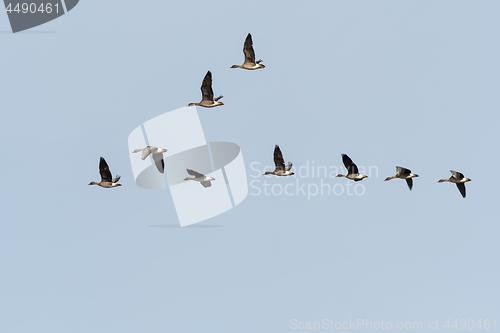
pixel 288 166
pixel 248 50
pixel 116 179
pixel 160 164
pixel 194 173
pixel 217 98
pixel 206 184
pixel 206 88
pixel 349 165
pixel 279 162
pixel 146 151
pixel 409 181
pixel 402 172
pixel 457 175
pixel 104 170
pixel 461 188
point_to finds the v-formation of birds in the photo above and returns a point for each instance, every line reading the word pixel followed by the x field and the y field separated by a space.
pixel 208 101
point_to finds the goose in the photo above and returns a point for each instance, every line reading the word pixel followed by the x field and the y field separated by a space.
pixel 459 179
pixel 352 169
pixel 157 156
pixel 250 62
pixel 106 180
pixel 404 173
pixel 279 162
pixel 207 100
pixel 199 177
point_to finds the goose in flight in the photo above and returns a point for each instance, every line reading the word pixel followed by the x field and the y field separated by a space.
pixel 352 169
pixel 106 180
pixel 281 169
pixel 250 62
pixel 207 100
pixel 199 177
pixel 157 156
pixel 404 173
pixel 459 179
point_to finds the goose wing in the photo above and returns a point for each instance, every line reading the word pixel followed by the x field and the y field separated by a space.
pixel 146 152
pixel 206 88
pixel 279 162
pixel 288 166
pixel 160 164
pixel 206 184
pixel 457 175
pixel 349 165
pixel 194 173
pixel 409 181
pixel 461 188
pixel 248 50
pixel 104 170
pixel 116 179
pixel 402 172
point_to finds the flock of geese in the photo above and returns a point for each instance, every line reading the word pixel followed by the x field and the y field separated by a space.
pixel 353 173
pixel 208 101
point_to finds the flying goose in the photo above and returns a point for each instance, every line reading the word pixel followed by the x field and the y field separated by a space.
pixel 106 180
pixel 199 177
pixel 352 169
pixel 279 162
pixel 157 156
pixel 207 100
pixel 403 173
pixel 459 179
pixel 250 62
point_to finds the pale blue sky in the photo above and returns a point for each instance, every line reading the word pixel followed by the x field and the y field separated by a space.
pixel 387 82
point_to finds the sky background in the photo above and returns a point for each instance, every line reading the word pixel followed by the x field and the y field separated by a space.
pixel 387 82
